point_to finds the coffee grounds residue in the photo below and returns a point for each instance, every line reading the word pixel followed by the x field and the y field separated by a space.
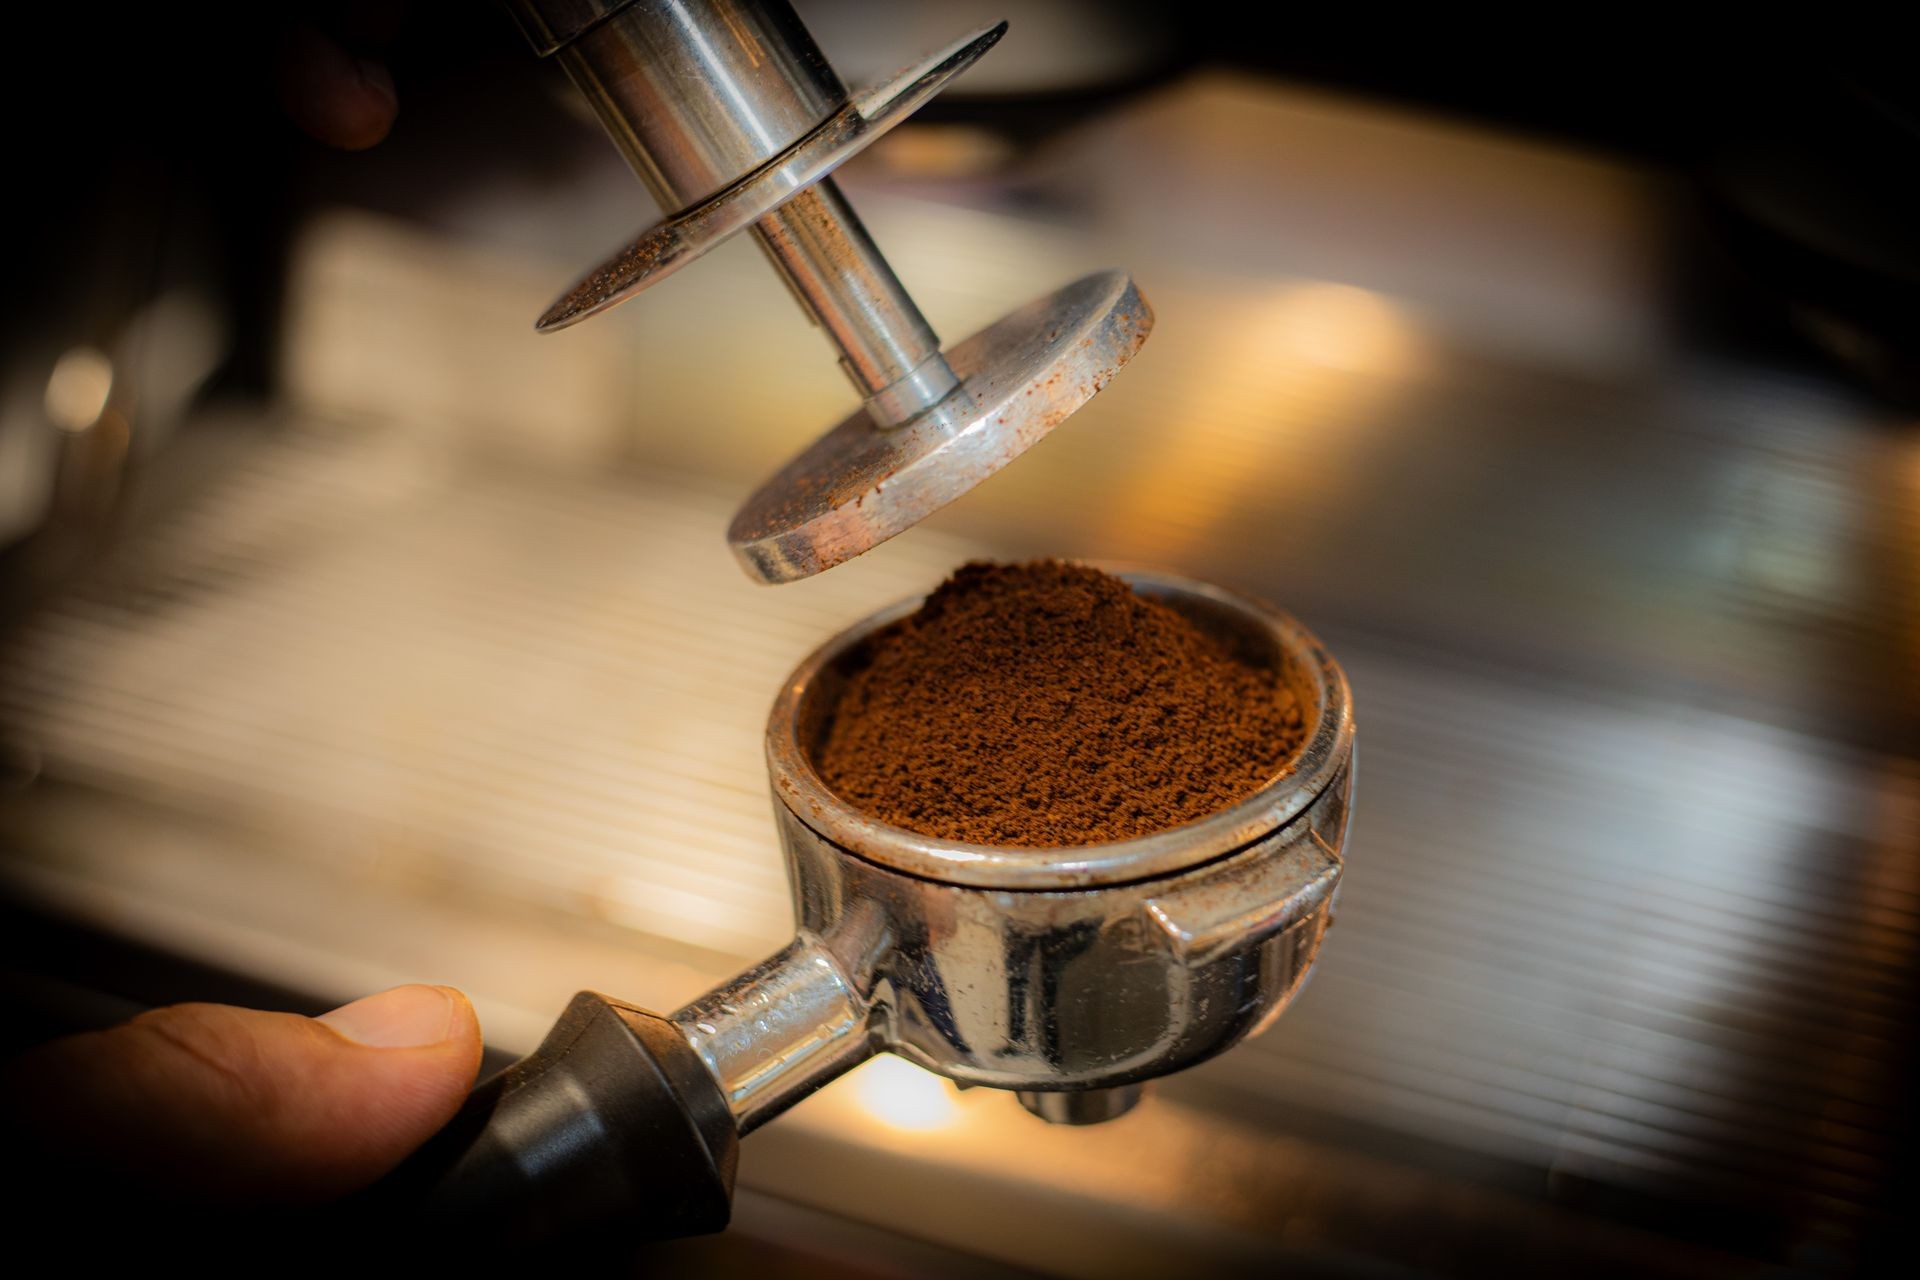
pixel 1046 704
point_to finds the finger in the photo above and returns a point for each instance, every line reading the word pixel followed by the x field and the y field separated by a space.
pixel 218 1105
pixel 339 99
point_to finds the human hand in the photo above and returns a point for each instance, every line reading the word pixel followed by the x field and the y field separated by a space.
pixel 218 1107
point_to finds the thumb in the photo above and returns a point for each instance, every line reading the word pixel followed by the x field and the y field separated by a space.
pixel 217 1105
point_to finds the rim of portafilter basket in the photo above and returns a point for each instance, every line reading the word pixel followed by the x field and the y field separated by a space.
pixel 1256 630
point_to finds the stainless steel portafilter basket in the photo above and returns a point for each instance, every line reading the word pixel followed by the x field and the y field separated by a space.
pixel 1069 976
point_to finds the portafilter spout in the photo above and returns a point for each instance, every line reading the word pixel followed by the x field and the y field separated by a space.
pixel 1069 976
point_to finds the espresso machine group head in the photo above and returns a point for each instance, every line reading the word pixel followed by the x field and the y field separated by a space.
pixel 1068 976
pixel 730 115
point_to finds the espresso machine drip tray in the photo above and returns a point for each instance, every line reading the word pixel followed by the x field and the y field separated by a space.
pixel 342 724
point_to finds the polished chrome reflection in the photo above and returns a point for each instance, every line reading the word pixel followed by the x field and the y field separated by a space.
pixel 870 479
pixel 1086 1106
pixel 782 1029
pixel 705 98
pixel 1068 975
pixel 729 113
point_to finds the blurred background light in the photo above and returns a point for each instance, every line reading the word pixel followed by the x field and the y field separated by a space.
pixel 78 388
pixel 1339 326
pixel 900 1094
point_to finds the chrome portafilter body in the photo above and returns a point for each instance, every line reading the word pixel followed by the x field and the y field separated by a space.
pixel 1070 976
pixel 1067 975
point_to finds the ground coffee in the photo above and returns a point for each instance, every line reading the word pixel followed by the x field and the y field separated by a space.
pixel 1047 704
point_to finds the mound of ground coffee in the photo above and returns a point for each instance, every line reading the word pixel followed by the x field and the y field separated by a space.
pixel 1047 704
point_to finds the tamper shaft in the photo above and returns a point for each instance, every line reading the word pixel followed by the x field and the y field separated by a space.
pixel 886 346
pixel 697 94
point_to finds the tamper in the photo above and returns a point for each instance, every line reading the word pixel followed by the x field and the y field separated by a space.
pixel 1070 976
pixel 732 118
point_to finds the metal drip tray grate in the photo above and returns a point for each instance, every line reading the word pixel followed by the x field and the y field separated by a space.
pixel 1602 941
pixel 553 692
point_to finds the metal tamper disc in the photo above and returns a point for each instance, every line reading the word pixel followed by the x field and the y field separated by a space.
pixel 861 483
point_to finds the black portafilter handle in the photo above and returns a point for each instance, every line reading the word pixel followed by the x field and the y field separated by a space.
pixel 613 1125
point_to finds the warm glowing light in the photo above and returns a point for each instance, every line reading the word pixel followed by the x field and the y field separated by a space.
pixel 895 1091
pixel 944 151
pixel 78 388
pixel 1300 366
pixel 1339 326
